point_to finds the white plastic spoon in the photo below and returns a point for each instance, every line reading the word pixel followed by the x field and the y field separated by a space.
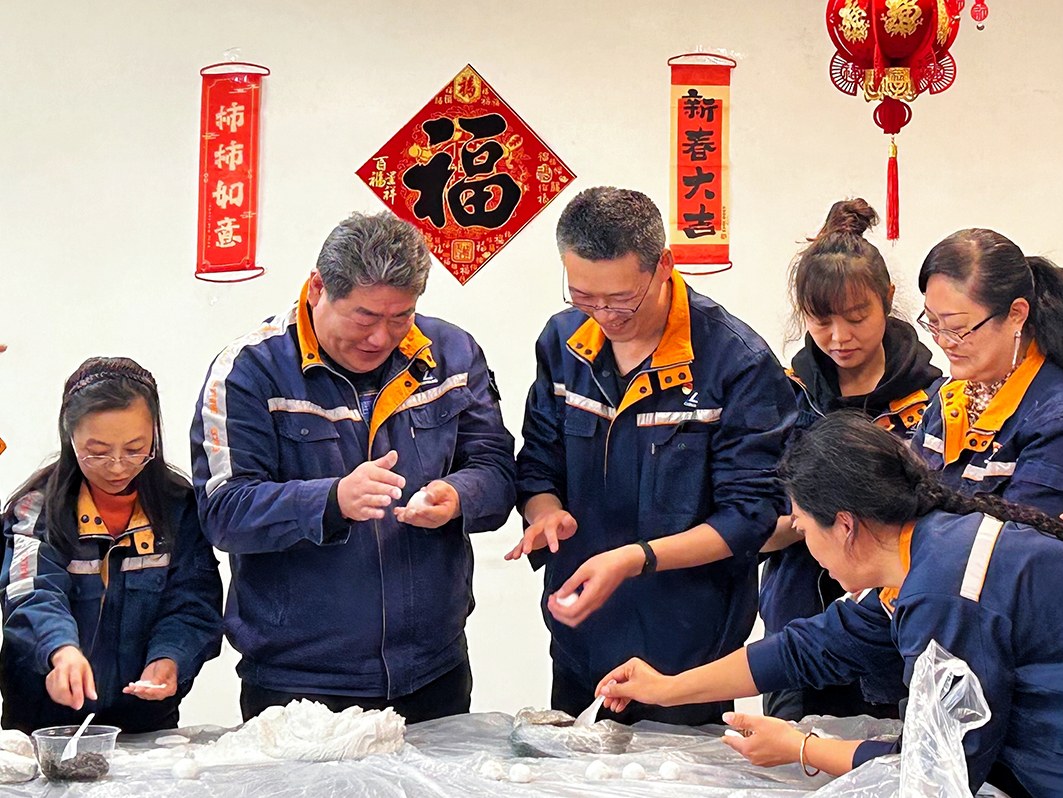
pixel 588 716
pixel 71 749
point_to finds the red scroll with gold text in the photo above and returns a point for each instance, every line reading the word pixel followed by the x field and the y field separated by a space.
pixel 699 178
pixel 228 172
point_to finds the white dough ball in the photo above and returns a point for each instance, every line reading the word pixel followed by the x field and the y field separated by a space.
pixel 185 768
pixel 418 502
pixel 669 771
pixel 634 771
pixel 520 773
pixel 569 600
pixel 492 769
pixel 597 770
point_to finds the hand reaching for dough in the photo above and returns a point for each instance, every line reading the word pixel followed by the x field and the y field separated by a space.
pixel 431 506
pixel 158 681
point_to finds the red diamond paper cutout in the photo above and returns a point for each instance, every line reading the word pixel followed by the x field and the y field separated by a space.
pixel 468 172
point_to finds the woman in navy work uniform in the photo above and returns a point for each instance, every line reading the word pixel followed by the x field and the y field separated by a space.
pixel 997 425
pixel 111 594
pixel 856 355
pixel 974 575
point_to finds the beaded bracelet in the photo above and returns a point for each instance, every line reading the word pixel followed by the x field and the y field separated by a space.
pixel 801 756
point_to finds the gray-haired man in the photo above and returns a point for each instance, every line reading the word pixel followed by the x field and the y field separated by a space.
pixel 342 454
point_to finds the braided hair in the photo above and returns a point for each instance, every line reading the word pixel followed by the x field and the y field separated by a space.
pixel 845 463
pixel 98 385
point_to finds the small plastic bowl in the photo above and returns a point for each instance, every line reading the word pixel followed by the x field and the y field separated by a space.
pixel 93 757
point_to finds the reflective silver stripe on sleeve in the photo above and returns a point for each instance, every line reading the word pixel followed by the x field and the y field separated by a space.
pixel 705 416
pixel 933 443
pixel 277 405
pixel 215 410
pixel 559 389
pixel 23 568
pixel 978 560
pixel 426 397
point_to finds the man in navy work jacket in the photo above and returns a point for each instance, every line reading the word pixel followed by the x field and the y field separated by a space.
pixel 647 476
pixel 343 453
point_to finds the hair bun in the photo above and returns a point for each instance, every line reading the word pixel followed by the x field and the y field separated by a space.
pixel 852 217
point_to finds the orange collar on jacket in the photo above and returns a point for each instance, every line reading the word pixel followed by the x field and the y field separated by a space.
pixel 415 346
pixel 138 533
pixel 958 435
pixel 888 595
pixel 671 359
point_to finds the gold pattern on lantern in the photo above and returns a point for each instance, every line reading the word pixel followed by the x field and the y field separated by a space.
pixel 853 22
pixel 944 23
pixel 902 17
pixel 896 83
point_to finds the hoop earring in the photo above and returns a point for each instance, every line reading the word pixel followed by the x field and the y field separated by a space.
pixel 1015 353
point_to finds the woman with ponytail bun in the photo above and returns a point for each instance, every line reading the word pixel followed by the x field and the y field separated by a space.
pixel 855 355
pixel 975 573
pixel 996 426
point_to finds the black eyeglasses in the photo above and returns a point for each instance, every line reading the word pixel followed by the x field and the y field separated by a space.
pixel 620 310
pixel 950 335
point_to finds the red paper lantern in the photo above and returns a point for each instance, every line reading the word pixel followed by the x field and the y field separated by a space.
pixel 892 50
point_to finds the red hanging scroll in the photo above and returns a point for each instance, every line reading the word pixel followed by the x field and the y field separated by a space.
pixel 700 188
pixel 228 172
pixel 468 172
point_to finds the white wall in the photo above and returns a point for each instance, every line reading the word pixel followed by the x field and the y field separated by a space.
pixel 98 153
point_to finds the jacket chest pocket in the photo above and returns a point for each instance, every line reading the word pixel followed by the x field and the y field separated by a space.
pixel 143 591
pixel 434 433
pixel 681 472
pixel 309 447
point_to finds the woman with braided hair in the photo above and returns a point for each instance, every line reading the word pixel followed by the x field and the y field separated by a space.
pixel 978 574
pixel 111 594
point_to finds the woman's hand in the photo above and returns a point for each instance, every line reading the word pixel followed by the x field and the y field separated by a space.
pixel 70 680
pixel 633 681
pixel 765 741
pixel 161 681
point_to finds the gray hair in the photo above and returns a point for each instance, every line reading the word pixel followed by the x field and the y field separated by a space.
pixel 381 249
pixel 607 223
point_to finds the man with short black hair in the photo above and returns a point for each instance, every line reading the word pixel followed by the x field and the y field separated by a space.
pixel 647 476
pixel 343 452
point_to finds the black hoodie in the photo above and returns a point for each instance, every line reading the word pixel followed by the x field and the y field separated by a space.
pixel 897 402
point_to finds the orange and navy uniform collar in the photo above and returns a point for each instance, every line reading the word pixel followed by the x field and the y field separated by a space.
pixel 671 359
pixel 888 595
pixel 415 346
pixel 138 533
pixel 958 434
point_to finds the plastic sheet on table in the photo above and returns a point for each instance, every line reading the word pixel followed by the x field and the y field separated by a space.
pixel 472 755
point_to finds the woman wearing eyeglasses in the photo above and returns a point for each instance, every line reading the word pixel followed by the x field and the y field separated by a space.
pixel 111 594
pixel 997 425
pixel 856 355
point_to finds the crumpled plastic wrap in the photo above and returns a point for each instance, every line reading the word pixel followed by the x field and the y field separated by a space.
pixel 472 755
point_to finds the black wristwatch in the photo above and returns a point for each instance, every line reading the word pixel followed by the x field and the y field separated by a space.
pixel 650 566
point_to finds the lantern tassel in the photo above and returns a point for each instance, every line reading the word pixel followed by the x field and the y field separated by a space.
pixel 893 210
